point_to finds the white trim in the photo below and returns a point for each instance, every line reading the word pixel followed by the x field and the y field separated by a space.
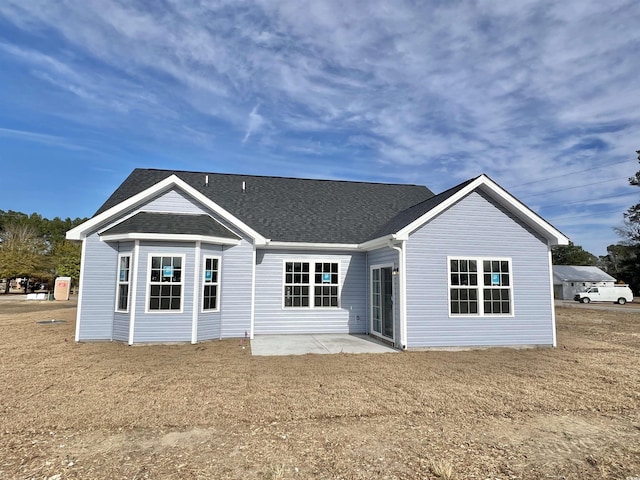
pixel 182 283
pixel 134 291
pixel 312 246
pixel 118 282
pixel 480 287
pixel 312 283
pixel 202 284
pixel 175 237
pixel 80 232
pixel 380 266
pixel 402 287
pixel 553 307
pixel 376 243
pixel 504 198
pixel 81 288
pixel 253 294
pixel 196 283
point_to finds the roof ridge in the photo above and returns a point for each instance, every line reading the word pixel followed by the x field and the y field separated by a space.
pixel 328 180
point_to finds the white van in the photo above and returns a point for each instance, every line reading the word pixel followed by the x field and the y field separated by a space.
pixel 618 293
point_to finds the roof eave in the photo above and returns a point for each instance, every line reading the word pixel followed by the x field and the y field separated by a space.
pixel 311 246
pixel 176 237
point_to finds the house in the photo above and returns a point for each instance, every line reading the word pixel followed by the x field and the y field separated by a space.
pixel 176 256
pixel 568 280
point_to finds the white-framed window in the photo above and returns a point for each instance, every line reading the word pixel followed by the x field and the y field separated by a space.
pixel 480 286
pixel 210 284
pixel 165 284
pixel 124 273
pixel 311 284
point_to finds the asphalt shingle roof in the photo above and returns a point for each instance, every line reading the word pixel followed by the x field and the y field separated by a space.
pixel 173 224
pixel 292 209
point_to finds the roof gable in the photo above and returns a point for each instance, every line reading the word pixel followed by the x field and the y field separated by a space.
pixel 430 208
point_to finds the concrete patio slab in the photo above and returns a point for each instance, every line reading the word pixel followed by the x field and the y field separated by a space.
pixel 266 345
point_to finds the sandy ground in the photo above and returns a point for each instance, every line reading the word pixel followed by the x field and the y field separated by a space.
pixel 106 410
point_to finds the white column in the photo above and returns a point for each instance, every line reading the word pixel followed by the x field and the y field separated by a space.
pixel 134 291
pixel 196 293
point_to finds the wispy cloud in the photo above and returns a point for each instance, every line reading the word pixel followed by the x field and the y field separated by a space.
pixel 41 138
pixel 428 92
pixel 255 122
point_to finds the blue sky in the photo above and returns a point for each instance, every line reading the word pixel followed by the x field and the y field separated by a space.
pixel 543 96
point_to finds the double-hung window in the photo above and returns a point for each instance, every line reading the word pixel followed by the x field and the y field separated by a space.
pixel 311 284
pixel 210 293
pixel 165 282
pixel 296 284
pixel 124 271
pixel 480 286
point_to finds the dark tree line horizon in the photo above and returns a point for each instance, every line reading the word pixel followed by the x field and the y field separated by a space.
pixel 35 247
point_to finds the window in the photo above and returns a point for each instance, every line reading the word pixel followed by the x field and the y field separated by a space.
pixel 464 283
pixel 480 286
pixel 326 285
pixel 210 282
pixel 311 284
pixel 497 289
pixel 124 270
pixel 165 282
pixel 296 284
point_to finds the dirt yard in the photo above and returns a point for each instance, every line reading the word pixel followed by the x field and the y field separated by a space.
pixel 212 411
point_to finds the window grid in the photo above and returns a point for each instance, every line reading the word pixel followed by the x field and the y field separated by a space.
pixel 464 291
pixel 165 283
pixel 494 290
pixel 210 282
pixel 296 284
pixel 124 270
pixel 304 279
pixel 496 277
pixel 326 285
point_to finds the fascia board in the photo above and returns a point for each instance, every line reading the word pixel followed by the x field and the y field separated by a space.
pixel 525 213
pixel 79 232
pixel 311 246
pixel 504 198
pixel 168 238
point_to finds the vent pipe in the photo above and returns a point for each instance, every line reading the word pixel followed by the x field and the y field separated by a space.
pixel 244 186
pixel 206 180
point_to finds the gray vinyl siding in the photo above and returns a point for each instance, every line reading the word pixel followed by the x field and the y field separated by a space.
pixel 237 274
pixel 98 289
pixel 174 201
pixel 166 326
pixel 272 318
pixel 477 227
pixel 209 323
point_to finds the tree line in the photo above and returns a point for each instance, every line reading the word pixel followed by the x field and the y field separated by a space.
pixel 622 260
pixel 35 247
